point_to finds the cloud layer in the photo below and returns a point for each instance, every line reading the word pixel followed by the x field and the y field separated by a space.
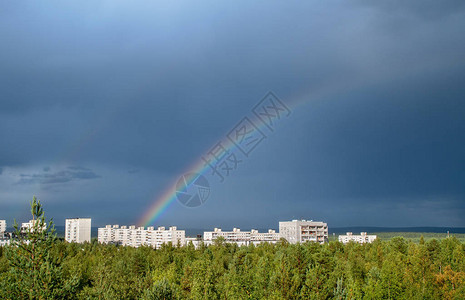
pixel 137 92
pixel 67 175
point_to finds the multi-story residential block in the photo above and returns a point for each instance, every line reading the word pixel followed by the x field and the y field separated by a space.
pixel 122 234
pixel 78 230
pixel 136 237
pixel 361 239
pixel 195 241
pixel 235 236
pixel 28 226
pixel 294 231
pixel 301 231
pixel 171 235
pixel 241 237
pixel 106 235
pixel 2 227
pixel 264 237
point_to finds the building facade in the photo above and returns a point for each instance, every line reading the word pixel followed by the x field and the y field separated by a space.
pixel 106 235
pixel 139 236
pixel 241 238
pixel 195 241
pixel 296 231
pixel 301 231
pixel 78 230
pixel 28 226
pixel 361 239
pixel 2 231
pixel 2 227
pixel 271 237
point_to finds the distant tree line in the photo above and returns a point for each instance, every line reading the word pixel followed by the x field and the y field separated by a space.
pixel 39 266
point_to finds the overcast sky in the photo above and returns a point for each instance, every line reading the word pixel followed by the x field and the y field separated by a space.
pixel 104 104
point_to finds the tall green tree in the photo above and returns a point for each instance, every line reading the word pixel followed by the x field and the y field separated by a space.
pixel 34 272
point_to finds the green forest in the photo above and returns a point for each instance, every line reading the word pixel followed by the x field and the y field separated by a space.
pixel 48 268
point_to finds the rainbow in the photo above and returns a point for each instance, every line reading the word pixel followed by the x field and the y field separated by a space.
pixel 161 203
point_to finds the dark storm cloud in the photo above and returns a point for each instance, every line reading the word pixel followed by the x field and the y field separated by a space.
pixel 149 87
pixel 388 141
pixel 72 173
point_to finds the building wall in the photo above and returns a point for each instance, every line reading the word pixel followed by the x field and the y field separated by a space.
pixel 136 237
pixel 196 242
pixel 361 239
pixel 2 226
pixel 107 234
pixel 289 231
pixel 293 231
pixel 301 231
pixel 2 230
pixel 241 237
pixel 29 225
pixel 78 230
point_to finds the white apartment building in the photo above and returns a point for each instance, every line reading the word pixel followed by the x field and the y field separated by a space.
pixel 106 235
pixel 2 227
pixel 194 240
pixel 235 236
pixel 2 230
pixel 296 231
pixel 361 239
pixel 136 237
pixel 78 230
pixel 29 225
pixel 271 236
pixel 241 238
pixel 301 231
pixel 162 236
